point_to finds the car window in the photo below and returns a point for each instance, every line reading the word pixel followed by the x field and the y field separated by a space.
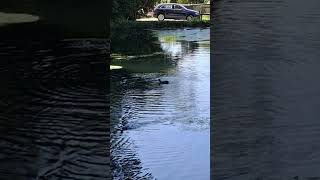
pixel 177 7
pixel 166 6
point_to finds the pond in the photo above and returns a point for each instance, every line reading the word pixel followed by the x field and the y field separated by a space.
pixel 266 90
pixel 161 131
pixel 53 105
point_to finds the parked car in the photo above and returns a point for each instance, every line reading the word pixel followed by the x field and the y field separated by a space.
pixel 174 11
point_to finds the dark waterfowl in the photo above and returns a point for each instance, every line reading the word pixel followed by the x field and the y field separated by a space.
pixel 163 82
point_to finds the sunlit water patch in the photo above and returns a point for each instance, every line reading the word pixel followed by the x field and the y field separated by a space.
pixel 13 18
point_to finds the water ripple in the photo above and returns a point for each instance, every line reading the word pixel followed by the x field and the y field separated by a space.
pixel 265 90
pixel 53 121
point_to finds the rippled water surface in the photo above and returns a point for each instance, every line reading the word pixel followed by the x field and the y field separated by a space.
pixel 162 131
pixel 266 90
pixel 53 106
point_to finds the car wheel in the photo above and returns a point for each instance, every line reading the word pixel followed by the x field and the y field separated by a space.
pixel 160 17
pixel 189 18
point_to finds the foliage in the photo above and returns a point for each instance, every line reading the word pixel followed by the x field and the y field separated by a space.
pixel 142 25
pixel 124 9
pixel 183 1
pixel 191 1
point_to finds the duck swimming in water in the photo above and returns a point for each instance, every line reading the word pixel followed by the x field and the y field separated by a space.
pixel 163 82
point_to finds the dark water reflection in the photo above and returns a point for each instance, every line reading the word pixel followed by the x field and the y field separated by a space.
pixel 53 106
pixel 265 90
pixel 162 131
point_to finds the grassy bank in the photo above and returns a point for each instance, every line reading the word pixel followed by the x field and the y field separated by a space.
pixel 158 24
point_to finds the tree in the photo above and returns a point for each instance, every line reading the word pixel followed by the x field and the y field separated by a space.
pixel 196 1
pixel 183 1
pixel 124 9
pixel 191 1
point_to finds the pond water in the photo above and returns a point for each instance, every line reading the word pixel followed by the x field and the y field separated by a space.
pixel 266 90
pixel 162 131
pixel 53 105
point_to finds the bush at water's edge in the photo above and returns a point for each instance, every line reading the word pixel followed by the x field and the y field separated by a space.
pixel 157 24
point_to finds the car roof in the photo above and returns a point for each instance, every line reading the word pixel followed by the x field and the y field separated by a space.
pixel 169 4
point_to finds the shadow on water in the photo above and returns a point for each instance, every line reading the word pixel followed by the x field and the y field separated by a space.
pixel 53 105
pixel 125 163
pixel 154 127
pixel 134 42
pixel 265 98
